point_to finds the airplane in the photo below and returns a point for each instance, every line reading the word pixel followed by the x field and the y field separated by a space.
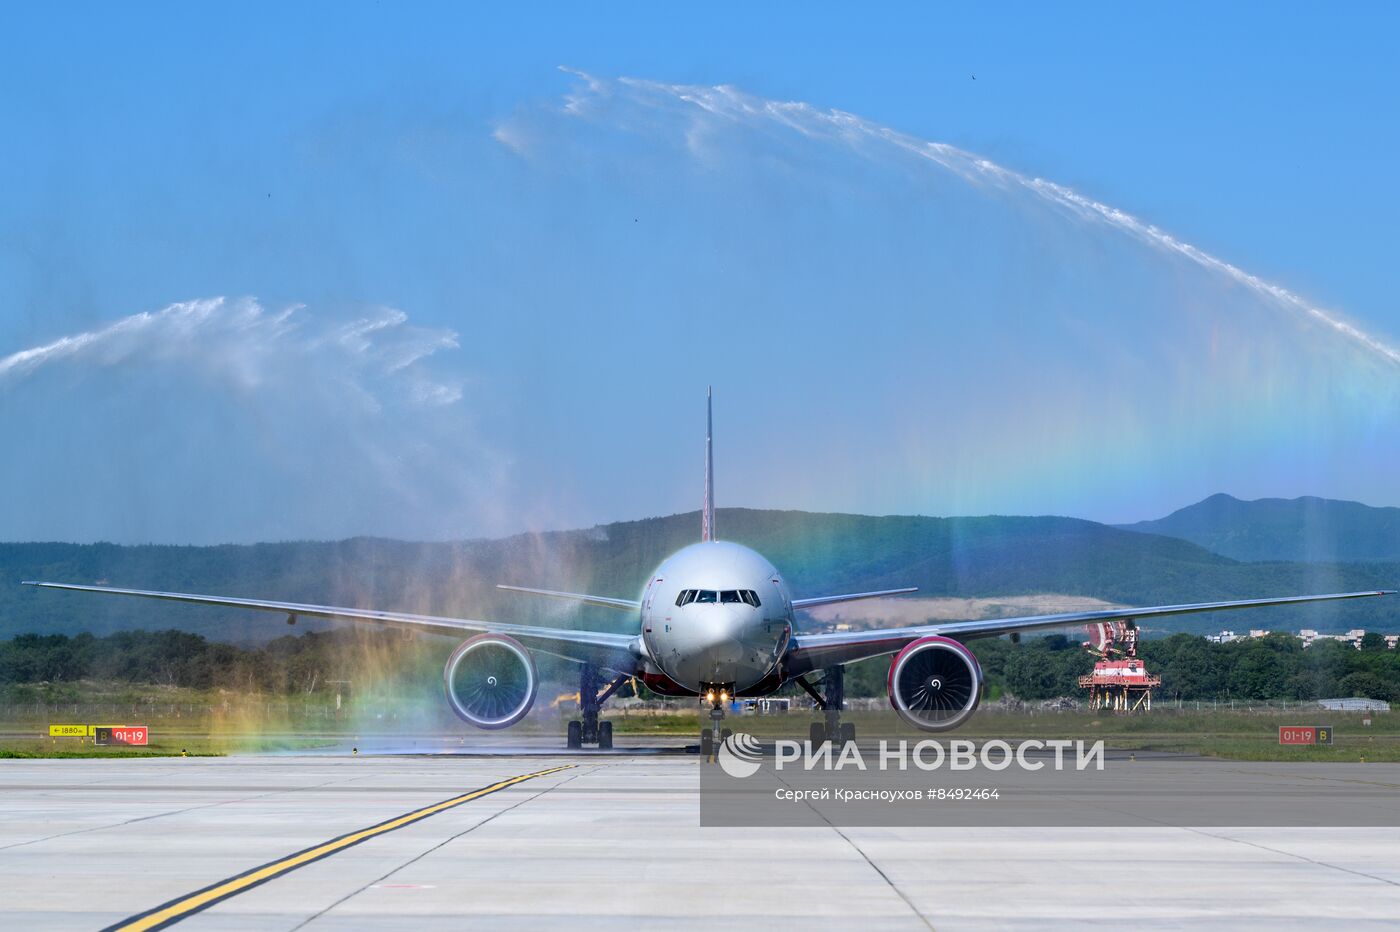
pixel 715 621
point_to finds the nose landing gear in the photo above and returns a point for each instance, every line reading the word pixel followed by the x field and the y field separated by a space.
pixel 716 733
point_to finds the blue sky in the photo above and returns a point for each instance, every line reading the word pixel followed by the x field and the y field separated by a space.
pixel 402 275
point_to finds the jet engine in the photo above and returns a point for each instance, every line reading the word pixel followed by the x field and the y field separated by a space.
pixel 935 683
pixel 491 681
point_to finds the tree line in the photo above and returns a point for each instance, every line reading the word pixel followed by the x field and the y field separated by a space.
pixel 289 665
pixel 1192 668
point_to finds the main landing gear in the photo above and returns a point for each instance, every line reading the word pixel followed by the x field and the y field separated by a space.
pixel 830 701
pixel 713 736
pixel 590 730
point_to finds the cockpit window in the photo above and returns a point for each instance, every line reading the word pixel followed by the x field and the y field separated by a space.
pixel 726 596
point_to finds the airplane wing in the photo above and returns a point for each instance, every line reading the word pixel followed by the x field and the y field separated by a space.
pixel 613 651
pixel 851 597
pixel 625 605
pixel 815 651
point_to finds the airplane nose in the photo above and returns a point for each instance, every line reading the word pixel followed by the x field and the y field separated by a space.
pixel 729 634
pixel 719 644
pixel 724 631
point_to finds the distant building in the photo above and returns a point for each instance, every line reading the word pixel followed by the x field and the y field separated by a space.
pixel 768 706
pixel 1308 636
pixel 1225 637
pixel 1352 637
pixel 1355 704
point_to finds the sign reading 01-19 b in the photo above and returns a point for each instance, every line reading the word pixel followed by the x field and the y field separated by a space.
pixel 120 734
pixel 1305 734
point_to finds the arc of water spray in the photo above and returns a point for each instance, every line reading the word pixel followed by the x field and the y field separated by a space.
pixel 726 102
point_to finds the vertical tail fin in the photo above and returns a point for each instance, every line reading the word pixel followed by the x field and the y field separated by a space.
pixel 707 518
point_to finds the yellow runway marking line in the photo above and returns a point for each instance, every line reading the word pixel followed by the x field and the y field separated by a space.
pixel 172 912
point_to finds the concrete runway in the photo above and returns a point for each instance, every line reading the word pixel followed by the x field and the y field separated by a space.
pixel 612 842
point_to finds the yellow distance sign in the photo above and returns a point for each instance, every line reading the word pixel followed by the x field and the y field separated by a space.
pixel 69 731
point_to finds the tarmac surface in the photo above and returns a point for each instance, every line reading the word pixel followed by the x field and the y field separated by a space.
pixel 439 840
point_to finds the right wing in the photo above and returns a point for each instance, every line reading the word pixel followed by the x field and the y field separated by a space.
pixel 614 651
pixel 816 651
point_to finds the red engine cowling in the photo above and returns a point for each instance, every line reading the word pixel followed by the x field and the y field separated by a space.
pixel 935 683
pixel 491 681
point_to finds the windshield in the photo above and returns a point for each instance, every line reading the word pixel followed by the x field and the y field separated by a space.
pixel 726 596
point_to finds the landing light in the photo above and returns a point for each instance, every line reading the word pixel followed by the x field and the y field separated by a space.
pixel 710 696
pixel 723 696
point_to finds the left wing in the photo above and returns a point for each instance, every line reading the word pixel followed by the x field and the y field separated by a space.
pixel 614 651
pixel 815 651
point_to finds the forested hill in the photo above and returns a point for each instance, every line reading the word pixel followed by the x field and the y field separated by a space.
pixel 818 553
pixel 1307 528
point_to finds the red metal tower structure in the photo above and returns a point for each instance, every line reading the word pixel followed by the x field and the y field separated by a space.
pixel 1120 681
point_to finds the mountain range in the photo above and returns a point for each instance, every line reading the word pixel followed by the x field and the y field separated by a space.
pixel 819 554
pixel 1315 530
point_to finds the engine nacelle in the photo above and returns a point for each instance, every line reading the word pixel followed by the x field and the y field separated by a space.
pixel 491 681
pixel 935 683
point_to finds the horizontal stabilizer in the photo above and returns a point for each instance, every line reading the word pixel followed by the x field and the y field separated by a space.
pixel 624 605
pixel 850 597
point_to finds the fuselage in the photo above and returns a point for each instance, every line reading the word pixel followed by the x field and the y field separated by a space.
pixel 716 615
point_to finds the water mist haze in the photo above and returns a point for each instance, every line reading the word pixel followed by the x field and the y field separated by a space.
pixel 962 336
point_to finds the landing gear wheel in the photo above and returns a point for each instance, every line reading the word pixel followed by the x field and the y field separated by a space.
pixel 575 735
pixel 816 734
pixel 848 733
pixel 726 734
pixel 605 736
pixel 707 744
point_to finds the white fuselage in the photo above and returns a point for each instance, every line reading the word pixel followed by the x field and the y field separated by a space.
pixel 700 624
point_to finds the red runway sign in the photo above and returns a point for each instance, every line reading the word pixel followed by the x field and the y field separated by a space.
pixel 120 734
pixel 1305 734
